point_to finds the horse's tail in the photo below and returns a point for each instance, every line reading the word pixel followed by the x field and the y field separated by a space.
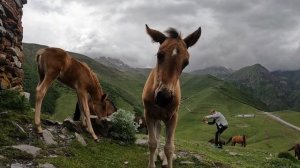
pixel 38 60
pixel 77 113
pixel 244 139
pixel 229 140
pixel 292 148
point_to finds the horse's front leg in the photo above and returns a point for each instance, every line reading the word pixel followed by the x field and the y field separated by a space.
pixel 152 141
pixel 169 146
pixel 84 102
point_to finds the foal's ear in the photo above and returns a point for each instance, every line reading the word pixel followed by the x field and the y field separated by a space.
pixel 156 36
pixel 104 97
pixel 191 39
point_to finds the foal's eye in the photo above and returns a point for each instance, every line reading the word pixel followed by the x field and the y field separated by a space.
pixel 160 56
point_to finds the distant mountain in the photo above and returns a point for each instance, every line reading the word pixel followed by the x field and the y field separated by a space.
pixel 217 71
pixel 292 80
pixel 113 63
pixel 262 84
pixel 253 85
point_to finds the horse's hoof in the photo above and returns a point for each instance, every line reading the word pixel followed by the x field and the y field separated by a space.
pixel 97 140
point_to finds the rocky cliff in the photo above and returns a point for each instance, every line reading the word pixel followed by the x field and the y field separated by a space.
pixel 11 50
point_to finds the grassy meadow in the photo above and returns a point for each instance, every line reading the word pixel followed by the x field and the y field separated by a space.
pixel 200 93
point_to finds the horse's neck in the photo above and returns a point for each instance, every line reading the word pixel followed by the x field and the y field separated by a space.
pixel 95 91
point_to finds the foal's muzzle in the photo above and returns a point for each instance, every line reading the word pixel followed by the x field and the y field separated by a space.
pixel 163 97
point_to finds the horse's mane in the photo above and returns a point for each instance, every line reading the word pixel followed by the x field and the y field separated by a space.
pixel 173 33
pixel 94 79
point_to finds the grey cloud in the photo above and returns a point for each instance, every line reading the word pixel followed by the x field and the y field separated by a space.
pixel 235 33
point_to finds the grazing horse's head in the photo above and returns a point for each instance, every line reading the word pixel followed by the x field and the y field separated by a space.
pixel 110 107
pixel 172 58
pixel 101 107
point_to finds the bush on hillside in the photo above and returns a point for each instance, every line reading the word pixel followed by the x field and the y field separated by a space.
pixel 12 100
pixel 287 155
pixel 123 128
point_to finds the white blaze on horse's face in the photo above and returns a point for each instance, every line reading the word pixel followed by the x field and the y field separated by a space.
pixel 174 52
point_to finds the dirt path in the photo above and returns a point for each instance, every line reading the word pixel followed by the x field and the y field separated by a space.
pixel 282 121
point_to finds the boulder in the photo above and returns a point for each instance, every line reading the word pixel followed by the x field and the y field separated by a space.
pixel 72 125
pixel 4 82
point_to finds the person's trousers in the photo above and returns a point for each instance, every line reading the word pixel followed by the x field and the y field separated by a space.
pixel 220 130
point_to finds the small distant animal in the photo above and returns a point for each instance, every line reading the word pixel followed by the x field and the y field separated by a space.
pixel 142 123
pixel 221 142
pixel 297 150
pixel 240 139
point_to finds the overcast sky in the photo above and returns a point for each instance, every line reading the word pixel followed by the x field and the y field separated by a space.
pixel 235 33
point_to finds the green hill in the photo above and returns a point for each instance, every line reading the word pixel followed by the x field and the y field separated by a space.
pixel 203 93
pixel 123 88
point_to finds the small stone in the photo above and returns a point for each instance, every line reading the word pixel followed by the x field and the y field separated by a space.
pixel 62 136
pixel 198 157
pixel 126 163
pixel 141 142
pixel 46 165
pixel 233 154
pixel 72 126
pixel 4 112
pixel 48 138
pixel 17 165
pixel 2 157
pixel 34 151
pixel 80 139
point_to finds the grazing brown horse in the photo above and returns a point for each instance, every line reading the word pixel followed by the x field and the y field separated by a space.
pixel 297 150
pixel 55 63
pixel 161 94
pixel 110 108
pixel 237 139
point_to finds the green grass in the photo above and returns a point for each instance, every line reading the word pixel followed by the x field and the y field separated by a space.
pixel 199 94
pixel 289 116
pixel 65 105
pixel 262 132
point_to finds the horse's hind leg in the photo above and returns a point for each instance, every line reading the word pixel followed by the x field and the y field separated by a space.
pixel 41 90
pixel 169 146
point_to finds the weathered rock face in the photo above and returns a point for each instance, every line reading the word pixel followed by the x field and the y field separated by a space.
pixel 11 50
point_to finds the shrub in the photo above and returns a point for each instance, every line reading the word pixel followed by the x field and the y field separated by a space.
pixel 12 100
pixel 123 126
pixel 287 155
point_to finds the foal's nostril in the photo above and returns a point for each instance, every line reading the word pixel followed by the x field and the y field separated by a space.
pixel 163 98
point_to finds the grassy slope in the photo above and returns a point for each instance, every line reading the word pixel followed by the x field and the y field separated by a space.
pixel 261 131
pixel 289 116
pixel 200 94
